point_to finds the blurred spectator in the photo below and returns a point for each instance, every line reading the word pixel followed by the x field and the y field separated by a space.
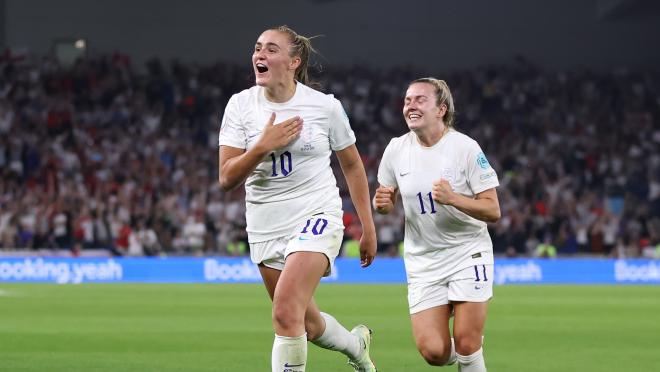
pixel 194 233
pixel 143 240
pixel 88 149
pixel 546 249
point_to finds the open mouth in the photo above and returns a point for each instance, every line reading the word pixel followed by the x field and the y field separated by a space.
pixel 261 68
pixel 414 116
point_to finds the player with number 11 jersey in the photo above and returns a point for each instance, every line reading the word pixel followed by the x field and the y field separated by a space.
pixel 439 239
pixel 448 192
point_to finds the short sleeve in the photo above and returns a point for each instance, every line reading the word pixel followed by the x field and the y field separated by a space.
pixel 341 134
pixel 386 176
pixel 480 174
pixel 232 130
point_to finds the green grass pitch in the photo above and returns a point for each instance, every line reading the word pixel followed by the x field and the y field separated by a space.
pixel 215 327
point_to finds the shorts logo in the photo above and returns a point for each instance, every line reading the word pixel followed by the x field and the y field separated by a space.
pixel 482 161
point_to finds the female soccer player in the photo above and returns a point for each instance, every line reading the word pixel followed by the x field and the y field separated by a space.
pixel 448 192
pixel 277 137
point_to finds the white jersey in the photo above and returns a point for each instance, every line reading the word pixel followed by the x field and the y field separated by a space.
pixel 439 239
pixel 296 181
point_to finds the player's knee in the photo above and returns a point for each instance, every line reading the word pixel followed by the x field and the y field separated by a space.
pixel 285 316
pixel 313 328
pixel 467 345
pixel 435 356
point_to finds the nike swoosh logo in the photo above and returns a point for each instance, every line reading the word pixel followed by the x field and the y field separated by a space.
pixel 287 365
pixel 251 136
pixel 404 174
pixel 301 238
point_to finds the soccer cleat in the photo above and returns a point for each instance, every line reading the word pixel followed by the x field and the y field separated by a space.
pixel 363 363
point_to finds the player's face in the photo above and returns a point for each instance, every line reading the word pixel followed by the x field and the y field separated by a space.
pixel 270 60
pixel 419 107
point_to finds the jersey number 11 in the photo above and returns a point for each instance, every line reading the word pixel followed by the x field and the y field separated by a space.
pixel 421 202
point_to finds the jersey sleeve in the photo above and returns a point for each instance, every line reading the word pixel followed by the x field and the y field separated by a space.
pixel 386 176
pixel 341 134
pixel 479 172
pixel 232 130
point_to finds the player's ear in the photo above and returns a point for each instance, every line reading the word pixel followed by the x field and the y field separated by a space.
pixel 295 63
pixel 442 110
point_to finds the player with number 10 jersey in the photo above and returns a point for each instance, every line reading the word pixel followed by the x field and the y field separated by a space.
pixel 277 137
pixel 295 181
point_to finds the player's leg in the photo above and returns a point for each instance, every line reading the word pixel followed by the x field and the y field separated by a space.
pixel 326 332
pixel 293 293
pixel 429 313
pixel 469 321
pixel 323 233
pixel 315 321
pixel 469 291
pixel 269 257
pixel 334 336
pixel 431 332
pixel 288 353
pixel 322 329
pixel 270 277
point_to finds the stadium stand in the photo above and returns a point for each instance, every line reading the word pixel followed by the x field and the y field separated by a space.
pixel 108 155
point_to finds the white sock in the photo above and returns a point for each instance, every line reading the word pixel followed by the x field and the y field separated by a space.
pixel 337 338
pixel 472 363
pixel 289 353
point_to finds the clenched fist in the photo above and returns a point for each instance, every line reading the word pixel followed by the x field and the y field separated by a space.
pixel 442 192
pixel 384 199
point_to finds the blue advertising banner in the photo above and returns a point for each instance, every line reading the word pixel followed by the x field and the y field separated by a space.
pixel 241 270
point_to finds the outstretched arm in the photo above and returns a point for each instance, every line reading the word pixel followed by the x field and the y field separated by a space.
pixel 356 178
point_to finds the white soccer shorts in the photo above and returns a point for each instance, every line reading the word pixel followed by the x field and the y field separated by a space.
pixel 321 233
pixel 472 284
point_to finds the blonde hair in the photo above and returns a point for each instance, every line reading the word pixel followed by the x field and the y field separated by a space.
pixel 442 97
pixel 301 46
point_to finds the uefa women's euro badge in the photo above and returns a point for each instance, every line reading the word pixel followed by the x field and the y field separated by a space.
pixel 449 174
pixel 306 136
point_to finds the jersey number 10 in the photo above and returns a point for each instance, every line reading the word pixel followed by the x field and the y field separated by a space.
pixel 285 163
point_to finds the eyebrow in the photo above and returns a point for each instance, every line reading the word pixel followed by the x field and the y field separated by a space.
pixel 267 44
pixel 417 96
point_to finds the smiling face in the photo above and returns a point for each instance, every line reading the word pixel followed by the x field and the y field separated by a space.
pixel 420 109
pixel 271 61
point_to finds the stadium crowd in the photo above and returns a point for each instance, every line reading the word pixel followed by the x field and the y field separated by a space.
pixel 105 154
